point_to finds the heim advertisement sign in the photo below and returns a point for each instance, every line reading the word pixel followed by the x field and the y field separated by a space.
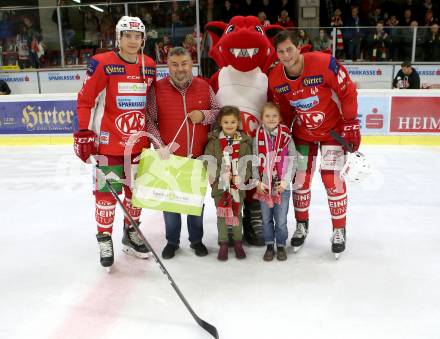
pixel 415 115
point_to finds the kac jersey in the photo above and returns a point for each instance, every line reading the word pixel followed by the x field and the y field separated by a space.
pixel 318 100
pixel 113 101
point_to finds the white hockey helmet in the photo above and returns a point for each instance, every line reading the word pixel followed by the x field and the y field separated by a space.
pixel 356 168
pixel 129 23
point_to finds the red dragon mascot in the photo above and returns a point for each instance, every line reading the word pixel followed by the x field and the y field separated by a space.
pixel 243 51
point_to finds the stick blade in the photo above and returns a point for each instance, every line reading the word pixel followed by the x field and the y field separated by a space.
pixel 208 328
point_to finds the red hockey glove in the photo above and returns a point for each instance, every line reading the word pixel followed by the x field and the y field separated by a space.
pixel 351 132
pixel 84 144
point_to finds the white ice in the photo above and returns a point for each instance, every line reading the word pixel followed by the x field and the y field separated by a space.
pixel 385 285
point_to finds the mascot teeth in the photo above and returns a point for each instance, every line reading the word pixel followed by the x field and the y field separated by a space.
pixel 244 52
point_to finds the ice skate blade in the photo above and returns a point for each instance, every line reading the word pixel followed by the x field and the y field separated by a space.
pixel 296 249
pixel 129 251
pixel 337 255
pixel 108 269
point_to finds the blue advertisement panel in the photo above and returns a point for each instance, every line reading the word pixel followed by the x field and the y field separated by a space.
pixel 374 112
pixel 37 117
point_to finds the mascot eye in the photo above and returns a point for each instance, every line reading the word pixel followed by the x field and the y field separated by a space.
pixel 229 29
pixel 259 29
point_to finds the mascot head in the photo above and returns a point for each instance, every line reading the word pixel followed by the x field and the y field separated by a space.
pixel 242 43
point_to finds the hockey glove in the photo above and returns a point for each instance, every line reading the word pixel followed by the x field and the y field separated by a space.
pixel 351 132
pixel 84 144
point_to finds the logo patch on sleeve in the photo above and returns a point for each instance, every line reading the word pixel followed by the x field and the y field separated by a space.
pixel 334 65
pixel 92 66
pixel 114 69
pixel 313 80
pixel 283 89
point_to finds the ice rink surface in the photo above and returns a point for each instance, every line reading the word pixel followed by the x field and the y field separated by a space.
pixel 385 285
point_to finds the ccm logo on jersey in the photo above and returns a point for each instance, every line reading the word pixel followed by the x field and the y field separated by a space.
pixel 283 89
pixel 130 87
pixel 313 80
pixel 137 102
pixel 305 104
pixel 130 123
pixel 114 69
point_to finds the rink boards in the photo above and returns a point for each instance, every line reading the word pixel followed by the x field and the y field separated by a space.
pixel 406 117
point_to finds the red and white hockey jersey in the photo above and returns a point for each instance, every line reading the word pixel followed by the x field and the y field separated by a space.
pixel 318 100
pixel 113 101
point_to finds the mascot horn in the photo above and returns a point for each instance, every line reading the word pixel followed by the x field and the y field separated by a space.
pixel 243 51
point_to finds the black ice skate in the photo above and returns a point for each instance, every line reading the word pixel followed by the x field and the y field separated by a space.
pixel 338 241
pixel 105 249
pixel 300 235
pixel 133 245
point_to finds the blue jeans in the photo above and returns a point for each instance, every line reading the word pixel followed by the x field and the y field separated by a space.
pixel 275 220
pixel 173 225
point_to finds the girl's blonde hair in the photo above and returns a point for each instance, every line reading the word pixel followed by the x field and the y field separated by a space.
pixel 272 105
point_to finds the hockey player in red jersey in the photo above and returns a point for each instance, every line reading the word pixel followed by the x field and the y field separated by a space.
pixel 111 116
pixel 316 95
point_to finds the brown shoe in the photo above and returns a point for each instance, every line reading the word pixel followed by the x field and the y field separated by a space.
pixel 281 254
pixel 269 254
pixel 239 251
pixel 223 251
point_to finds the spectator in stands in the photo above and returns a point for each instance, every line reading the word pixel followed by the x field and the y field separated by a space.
pixel 322 41
pixel 226 11
pixel 107 28
pixel 163 47
pixel 303 38
pixel 432 44
pixel 91 29
pixel 429 18
pixel 407 42
pixel 190 45
pixel 68 32
pixel 337 22
pixel 427 5
pixel 270 9
pixel 395 33
pixel 375 16
pixel 378 44
pixel 286 5
pixel 176 30
pixel 23 43
pixel 407 18
pixel 284 19
pixel 152 35
pixel 6 29
pixel 263 19
pixel 4 88
pixel 407 77
pixel 248 7
pixel 353 35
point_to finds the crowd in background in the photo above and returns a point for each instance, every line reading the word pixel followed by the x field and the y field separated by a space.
pixel 370 30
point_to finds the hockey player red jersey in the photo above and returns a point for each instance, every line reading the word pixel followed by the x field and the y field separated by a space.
pixel 318 100
pixel 113 101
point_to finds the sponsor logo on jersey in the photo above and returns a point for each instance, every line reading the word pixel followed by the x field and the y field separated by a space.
pixel 104 138
pixel 132 87
pixel 149 71
pixel 126 102
pixel 305 104
pixel 311 120
pixel 114 69
pixel 130 122
pixel 334 65
pixel 283 89
pixel 313 80
pixel 92 65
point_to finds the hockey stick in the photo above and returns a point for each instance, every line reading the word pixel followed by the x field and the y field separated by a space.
pixel 335 135
pixel 203 324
